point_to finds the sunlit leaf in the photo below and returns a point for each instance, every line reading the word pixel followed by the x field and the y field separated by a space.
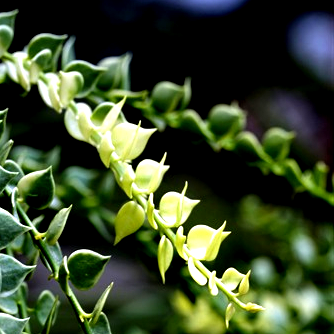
pixel 197 276
pixel 232 278
pixel 130 140
pixel 129 219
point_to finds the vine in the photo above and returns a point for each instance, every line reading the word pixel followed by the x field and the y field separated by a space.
pixel 118 143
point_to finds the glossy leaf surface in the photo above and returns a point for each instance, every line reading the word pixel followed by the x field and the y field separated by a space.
pixel 85 268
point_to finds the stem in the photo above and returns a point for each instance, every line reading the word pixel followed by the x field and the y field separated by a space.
pixel 40 244
pixel 37 241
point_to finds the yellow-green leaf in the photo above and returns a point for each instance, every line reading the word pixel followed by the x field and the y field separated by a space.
pixel 165 255
pixel 129 219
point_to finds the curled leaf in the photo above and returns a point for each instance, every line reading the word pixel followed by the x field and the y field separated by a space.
pixel 197 276
pixel 100 304
pixel 204 242
pixel 37 188
pixel 244 284
pixel 130 140
pixel 150 212
pixel 105 148
pixel 6 38
pixel 180 243
pixel 175 208
pixel 232 278
pixel 89 72
pixel 106 114
pixel 70 85
pixel 149 174
pixel 230 310
pixel 212 284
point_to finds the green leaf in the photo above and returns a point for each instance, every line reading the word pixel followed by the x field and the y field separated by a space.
pixel 149 174
pixel 101 326
pixel 32 159
pixel 13 166
pixel 130 140
pixel 46 41
pixel 175 208
pixel 40 62
pixel 165 256
pixel 10 228
pixel 249 148
pixel 63 275
pixel 197 276
pixel 51 317
pixel 6 38
pixel 12 325
pixel 190 120
pixel 204 241
pixel 44 306
pixel 85 268
pixel 89 72
pixel 5 178
pixel 13 273
pixel 4 151
pixel 117 74
pixel 100 304
pixel 8 18
pixel 167 96
pixel 232 278
pixel 56 254
pixel 244 284
pixel 276 142
pixel 3 117
pixel 293 173
pixel 320 173
pixel 37 188
pixel 9 304
pixel 57 226
pixel 106 115
pixel 68 53
pixel 129 219
pixel 230 310
pixel 71 84
pixel 226 120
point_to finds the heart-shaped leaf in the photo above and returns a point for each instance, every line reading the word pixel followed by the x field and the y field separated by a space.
pixel 129 219
pixel 85 268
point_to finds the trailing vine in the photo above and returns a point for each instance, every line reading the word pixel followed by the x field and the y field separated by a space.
pixel 73 90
